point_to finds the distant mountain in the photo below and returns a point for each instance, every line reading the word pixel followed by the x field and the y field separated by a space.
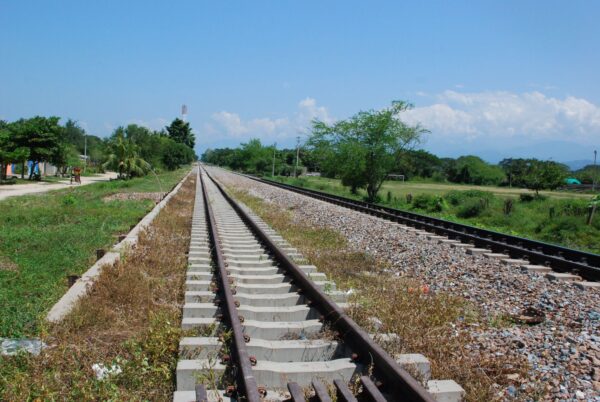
pixel 561 151
pixel 580 164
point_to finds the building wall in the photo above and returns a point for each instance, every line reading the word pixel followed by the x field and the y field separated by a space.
pixel 44 168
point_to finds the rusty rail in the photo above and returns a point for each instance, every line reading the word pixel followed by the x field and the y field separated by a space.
pixel 392 379
pixel 245 377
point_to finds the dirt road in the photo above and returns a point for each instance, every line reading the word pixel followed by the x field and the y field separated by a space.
pixel 41 187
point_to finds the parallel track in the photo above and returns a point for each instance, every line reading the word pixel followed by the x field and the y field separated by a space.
pixel 258 299
pixel 561 259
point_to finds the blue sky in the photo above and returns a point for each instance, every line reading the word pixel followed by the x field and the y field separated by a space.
pixel 495 78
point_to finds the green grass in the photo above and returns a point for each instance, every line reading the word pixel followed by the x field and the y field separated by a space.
pixel 558 218
pixel 44 238
pixel 400 189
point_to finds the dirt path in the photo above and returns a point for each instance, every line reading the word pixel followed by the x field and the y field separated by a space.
pixel 33 188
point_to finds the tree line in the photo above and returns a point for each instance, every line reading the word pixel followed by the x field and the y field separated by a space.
pixel 367 147
pixel 131 151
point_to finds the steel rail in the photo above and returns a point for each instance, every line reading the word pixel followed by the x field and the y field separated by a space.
pixel 245 375
pixel 562 259
pixel 395 380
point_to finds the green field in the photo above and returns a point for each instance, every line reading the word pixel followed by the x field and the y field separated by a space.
pixel 400 189
pixel 44 238
pixel 558 217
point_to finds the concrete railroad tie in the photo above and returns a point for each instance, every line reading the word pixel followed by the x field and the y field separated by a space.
pixel 284 331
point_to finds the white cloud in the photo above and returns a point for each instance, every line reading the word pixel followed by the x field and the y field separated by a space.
pixel 232 125
pixel 505 115
pixel 152 124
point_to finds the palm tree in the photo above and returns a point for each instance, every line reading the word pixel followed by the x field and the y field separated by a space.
pixel 124 158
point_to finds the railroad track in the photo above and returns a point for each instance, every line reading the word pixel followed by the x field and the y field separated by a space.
pixel 268 326
pixel 537 254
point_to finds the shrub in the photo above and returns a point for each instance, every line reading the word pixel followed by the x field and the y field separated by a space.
pixel 376 200
pixel 574 208
pixel 438 206
pixel 69 199
pixel 421 201
pixel 472 207
pixel 526 197
pixel 438 177
pixel 456 197
pixel 429 203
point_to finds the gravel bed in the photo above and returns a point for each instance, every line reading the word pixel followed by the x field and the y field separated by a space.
pixel 563 350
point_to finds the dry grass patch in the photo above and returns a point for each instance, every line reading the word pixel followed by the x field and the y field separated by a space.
pixel 130 319
pixel 437 325
pixel 156 197
pixel 7 265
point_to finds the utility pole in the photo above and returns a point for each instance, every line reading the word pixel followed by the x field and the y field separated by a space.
pixel 297 156
pixel 595 172
pixel 85 148
pixel 274 150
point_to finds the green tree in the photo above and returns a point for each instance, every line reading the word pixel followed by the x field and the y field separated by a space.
pixel 180 131
pixel 255 158
pixel 65 156
pixel 95 149
pixel 474 170
pixel 9 151
pixel 175 154
pixel 308 160
pixel 326 156
pixel 41 136
pixel 417 163
pixel 515 170
pixel 588 174
pixel 149 144
pixel 82 143
pixel 124 157
pixel 542 175
pixel 74 135
pixel 352 163
pixel 378 134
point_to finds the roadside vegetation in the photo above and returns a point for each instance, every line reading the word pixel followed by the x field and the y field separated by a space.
pixel 44 238
pixel 437 325
pixel 553 217
pixel 129 323
pixel 132 151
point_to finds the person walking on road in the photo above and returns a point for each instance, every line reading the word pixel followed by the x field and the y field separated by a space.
pixel 77 174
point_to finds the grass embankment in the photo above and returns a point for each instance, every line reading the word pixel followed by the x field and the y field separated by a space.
pixel 436 325
pixel 131 318
pixel 555 217
pixel 44 238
